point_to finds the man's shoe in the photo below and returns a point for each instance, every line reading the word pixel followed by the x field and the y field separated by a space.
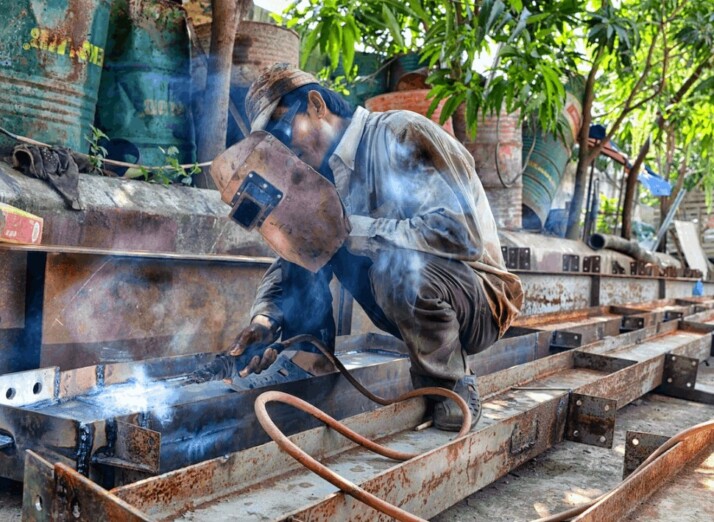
pixel 447 415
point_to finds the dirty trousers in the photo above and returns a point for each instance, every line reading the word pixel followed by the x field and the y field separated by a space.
pixel 435 305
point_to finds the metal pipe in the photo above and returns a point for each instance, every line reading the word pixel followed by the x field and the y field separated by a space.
pixel 326 473
pixel 629 247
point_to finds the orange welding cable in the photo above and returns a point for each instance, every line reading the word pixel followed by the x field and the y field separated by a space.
pixel 326 473
pixel 679 437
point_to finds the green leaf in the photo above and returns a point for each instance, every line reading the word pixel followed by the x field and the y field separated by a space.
pixel 394 29
pixel 348 49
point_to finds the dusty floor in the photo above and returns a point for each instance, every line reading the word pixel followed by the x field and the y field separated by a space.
pixel 556 480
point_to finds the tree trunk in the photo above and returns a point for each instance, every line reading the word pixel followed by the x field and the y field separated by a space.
pixel 584 156
pixel 628 205
pixel 226 15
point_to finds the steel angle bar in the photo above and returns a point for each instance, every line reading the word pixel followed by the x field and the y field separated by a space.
pixel 58 492
pixel 623 501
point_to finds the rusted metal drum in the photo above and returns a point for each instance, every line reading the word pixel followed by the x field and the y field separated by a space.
pixel 145 93
pixel 415 101
pixel 496 150
pixel 258 45
pixel 545 161
pixel 51 55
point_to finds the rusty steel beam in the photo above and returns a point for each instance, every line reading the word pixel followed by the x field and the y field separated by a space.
pixel 58 492
pixel 625 500
pixel 525 412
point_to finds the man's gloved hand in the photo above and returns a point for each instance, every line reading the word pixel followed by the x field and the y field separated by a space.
pixel 261 333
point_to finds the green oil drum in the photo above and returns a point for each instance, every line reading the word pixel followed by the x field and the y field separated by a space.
pixel 51 56
pixel 371 78
pixel 145 92
pixel 545 162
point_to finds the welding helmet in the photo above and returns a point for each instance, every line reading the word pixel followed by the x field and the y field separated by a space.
pixel 296 210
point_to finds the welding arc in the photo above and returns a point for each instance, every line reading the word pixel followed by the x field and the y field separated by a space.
pixel 679 437
pixel 320 469
pixel 326 473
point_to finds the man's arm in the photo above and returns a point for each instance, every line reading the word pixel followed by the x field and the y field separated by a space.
pixel 426 196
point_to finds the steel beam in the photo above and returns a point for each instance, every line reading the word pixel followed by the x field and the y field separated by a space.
pixel 525 411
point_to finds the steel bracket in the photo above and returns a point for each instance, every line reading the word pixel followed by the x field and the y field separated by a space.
pixel 631 323
pixel 639 445
pixel 571 263
pixel 617 268
pixel 679 379
pixel 591 420
pixel 130 447
pixel 671 315
pixel 517 258
pixel 561 341
pixel 601 363
pixel 591 264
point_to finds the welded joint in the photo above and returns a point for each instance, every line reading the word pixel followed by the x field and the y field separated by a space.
pixel 591 420
pixel 639 445
pixel 561 340
pixel 130 447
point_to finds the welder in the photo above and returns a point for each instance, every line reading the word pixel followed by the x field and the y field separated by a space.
pixel 420 252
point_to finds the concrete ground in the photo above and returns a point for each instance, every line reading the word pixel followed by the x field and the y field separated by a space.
pixel 563 477
pixel 571 474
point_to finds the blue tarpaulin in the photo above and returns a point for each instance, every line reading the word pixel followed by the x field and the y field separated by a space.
pixel 649 178
pixel 656 185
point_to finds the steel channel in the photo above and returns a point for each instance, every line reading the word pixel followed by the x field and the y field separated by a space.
pixel 626 499
pixel 460 467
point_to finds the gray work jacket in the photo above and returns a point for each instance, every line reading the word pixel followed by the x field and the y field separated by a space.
pixel 406 183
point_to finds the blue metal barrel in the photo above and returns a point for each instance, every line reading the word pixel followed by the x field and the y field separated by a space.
pixel 145 93
pixel 51 55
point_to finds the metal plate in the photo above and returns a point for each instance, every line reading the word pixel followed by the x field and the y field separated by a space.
pixel 591 420
pixel 22 388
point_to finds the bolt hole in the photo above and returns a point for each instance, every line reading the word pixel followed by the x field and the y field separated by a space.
pixel 579 403
pixel 607 407
pixel 635 442
pixel 10 394
pixel 37 388
pixel 38 503
pixel 76 512
pixel 576 433
pixel 602 438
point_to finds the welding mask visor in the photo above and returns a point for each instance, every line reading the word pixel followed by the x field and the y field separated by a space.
pixel 296 210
